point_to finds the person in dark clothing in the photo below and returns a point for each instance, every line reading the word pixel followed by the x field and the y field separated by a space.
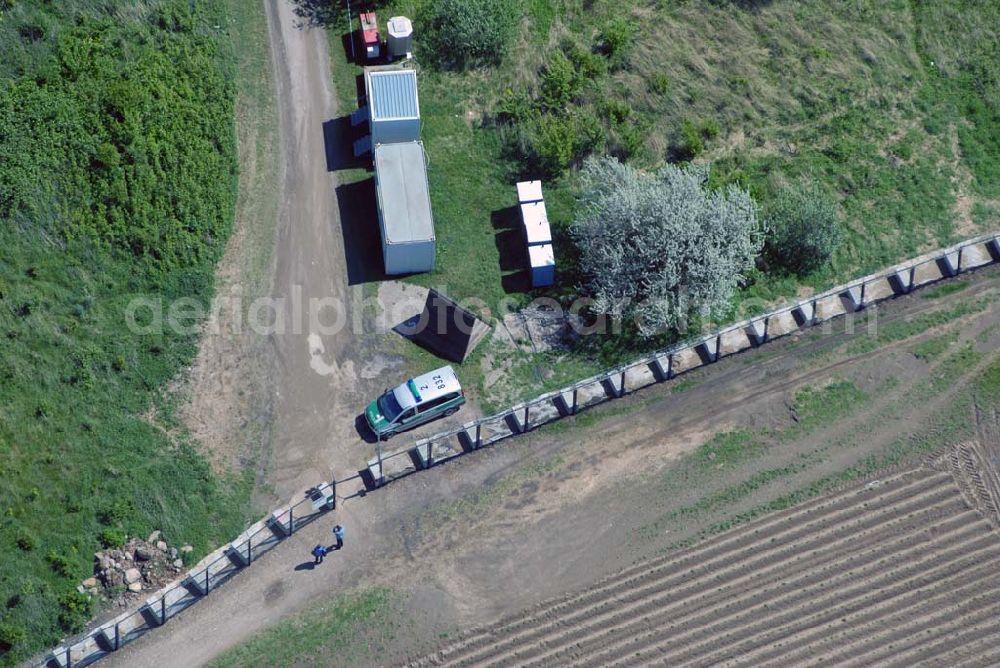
pixel 338 533
pixel 319 552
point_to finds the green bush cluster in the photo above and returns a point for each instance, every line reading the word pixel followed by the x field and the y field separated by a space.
pixel 569 117
pixel 460 34
pixel 692 138
pixel 117 179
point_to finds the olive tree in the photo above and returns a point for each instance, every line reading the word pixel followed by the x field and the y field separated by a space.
pixel 662 247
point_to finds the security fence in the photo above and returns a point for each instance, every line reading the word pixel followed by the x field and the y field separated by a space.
pixel 670 362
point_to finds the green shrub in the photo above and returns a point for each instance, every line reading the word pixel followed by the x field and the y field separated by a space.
pixel 710 128
pixel 690 144
pixel 804 230
pixel 589 65
pixel 60 564
pixel 10 635
pixel 74 611
pixel 515 107
pixel 616 38
pixel 560 83
pixel 26 542
pixel 558 141
pixel 460 34
pixel 111 538
pixel 659 83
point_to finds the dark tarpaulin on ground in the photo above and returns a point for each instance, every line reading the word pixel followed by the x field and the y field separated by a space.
pixel 447 329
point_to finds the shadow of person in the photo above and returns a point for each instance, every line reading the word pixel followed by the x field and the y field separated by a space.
pixel 306 566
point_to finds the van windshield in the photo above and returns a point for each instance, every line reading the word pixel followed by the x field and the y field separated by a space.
pixel 390 407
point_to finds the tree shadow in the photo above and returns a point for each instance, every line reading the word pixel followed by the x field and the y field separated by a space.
pixel 321 13
pixel 360 228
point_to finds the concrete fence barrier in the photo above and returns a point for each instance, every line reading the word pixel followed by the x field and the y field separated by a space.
pixel 665 364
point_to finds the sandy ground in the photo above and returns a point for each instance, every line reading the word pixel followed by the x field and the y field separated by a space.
pixel 497 530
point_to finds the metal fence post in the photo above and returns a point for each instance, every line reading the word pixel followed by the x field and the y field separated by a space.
pixel 118 636
pixel 527 416
pixel 163 609
pixel 208 582
pixel 249 550
pixel 291 520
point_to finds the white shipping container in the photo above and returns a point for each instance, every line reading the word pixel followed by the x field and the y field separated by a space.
pixel 404 208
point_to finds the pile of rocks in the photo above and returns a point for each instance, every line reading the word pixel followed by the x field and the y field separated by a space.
pixel 138 565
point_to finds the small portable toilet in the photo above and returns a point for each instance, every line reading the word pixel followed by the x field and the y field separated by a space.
pixel 529 191
pixel 369 35
pixel 543 265
pixel 536 223
pixel 400 37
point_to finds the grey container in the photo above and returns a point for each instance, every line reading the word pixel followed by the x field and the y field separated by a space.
pixel 404 208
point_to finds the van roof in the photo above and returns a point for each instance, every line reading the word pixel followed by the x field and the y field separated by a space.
pixel 427 387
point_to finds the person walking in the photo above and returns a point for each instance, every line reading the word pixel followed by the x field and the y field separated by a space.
pixel 338 533
pixel 319 552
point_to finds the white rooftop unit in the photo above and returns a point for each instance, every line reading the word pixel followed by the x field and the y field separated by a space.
pixel 529 191
pixel 404 208
pixel 536 223
pixel 394 110
pixel 400 40
pixel 543 265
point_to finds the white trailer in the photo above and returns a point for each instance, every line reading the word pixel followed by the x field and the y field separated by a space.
pixel 404 208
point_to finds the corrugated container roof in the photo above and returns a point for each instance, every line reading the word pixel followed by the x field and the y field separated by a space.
pixel 403 194
pixel 393 94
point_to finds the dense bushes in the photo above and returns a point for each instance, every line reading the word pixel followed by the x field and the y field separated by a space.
pixel 117 178
pixel 467 33
pixel 804 230
pixel 568 117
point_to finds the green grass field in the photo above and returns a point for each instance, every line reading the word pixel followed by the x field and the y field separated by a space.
pixel 891 107
pixel 118 176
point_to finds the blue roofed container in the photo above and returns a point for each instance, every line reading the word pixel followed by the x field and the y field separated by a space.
pixel 394 111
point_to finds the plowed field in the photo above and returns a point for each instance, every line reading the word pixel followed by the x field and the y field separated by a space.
pixel 898 572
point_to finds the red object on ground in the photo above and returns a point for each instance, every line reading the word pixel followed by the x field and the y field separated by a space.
pixel 369 35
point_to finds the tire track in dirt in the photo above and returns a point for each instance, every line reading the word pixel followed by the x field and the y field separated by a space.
pixel 908 566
